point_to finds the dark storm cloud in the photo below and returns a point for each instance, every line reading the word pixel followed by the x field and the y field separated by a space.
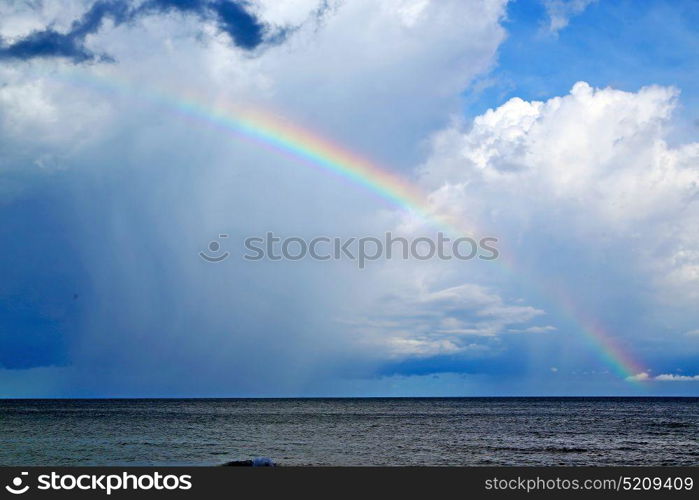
pixel 232 17
pixel 244 29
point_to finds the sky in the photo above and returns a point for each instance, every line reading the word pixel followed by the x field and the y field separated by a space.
pixel 133 133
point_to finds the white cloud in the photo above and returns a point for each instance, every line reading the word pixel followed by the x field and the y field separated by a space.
pixel 41 113
pixel 677 378
pixel 594 167
pixel 417 321
pixel 17 20
pixel 561 11
pixel 665 377
pixel 291 12
pixel 365 75
pixel 402 347
pixel 639 377
pixel 535 329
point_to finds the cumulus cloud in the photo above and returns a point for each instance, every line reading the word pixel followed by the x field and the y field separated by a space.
pixel 592 166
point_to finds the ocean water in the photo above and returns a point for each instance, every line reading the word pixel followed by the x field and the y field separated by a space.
pixel 458 431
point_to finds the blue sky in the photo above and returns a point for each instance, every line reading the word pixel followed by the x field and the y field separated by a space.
pixel 567 129
pixel 619 44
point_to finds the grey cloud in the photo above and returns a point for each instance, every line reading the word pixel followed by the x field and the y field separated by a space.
pixel 231 17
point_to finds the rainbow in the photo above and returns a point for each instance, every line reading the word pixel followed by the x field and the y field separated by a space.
pixel 620 360
pixel 303 146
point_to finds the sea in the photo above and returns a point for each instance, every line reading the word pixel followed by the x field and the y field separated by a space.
pixel 352 432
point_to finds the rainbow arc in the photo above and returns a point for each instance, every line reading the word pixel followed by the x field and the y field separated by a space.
pixel 310 148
